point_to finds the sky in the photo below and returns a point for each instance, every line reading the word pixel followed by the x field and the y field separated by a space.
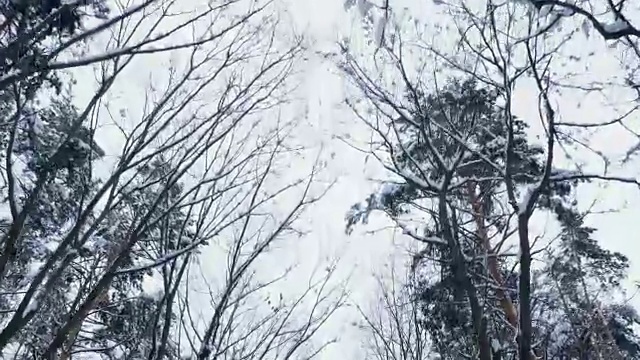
pixel 364 253
pixel 326 121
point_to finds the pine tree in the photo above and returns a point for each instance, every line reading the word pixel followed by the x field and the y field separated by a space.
pixel 123 315
pixel 449 151
pixel 63 187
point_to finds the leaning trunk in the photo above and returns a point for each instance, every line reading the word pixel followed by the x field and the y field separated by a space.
pixel 506 303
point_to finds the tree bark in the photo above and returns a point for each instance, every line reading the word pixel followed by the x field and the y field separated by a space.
pixel 479 322
pixel 506 303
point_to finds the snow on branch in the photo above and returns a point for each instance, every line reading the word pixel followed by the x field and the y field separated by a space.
pixel 617 29
pixel 433 240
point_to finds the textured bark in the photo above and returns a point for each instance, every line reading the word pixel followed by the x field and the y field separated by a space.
pixel 510 311
pixel 492 261
pixel 479 321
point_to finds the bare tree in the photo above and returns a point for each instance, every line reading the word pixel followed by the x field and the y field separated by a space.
pixel 149 31
pixel 434 199
pixel 394 327
pixel 246 320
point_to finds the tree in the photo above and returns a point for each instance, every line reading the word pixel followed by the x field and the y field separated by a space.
pixel 438 170
pixel 448 148
pixel 249 320
pixel 502 45
pixel 394 326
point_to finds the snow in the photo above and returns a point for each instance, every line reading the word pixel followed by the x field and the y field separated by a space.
pixel 364 7
pixel 495 345
pixel 495 143
pixel 565 11
pixel 348 4
pixel 10 75
pixel 37 126
pixel 406 230
pixel 388 189
pixel 616 26
pixel 51 246
pixel 10 351
pixel 95 244
pixel 63 191
pixel 380 30
pixel 34 268
pixel 31 307
pixel 586 28
pixel 83 145
pixel 525 198
pixel 152 285
pixel 530 7
pixel 116 350
pixel 545 11
pixel 558 174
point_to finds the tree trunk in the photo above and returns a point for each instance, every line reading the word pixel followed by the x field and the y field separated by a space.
pixel 506 303
pixel 479 321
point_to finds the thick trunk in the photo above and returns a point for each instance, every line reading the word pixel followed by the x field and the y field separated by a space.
pixel 526 353
pixel 479 322
pixel 506 303
pixel 492 260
